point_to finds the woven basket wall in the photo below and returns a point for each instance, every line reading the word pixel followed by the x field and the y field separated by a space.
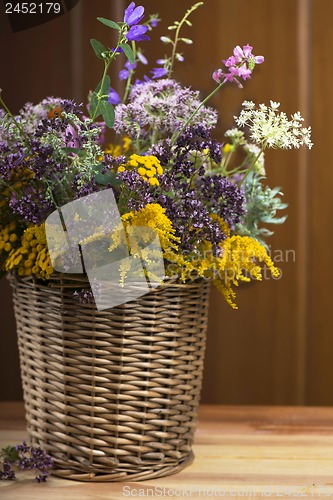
pixel 112 395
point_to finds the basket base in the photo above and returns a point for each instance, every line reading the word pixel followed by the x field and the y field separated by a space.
pixel 153 473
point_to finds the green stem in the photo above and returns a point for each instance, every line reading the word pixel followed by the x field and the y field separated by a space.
pixel 129 79
pixel 196 111
pixel 175 42
pixel 252 166
pixel 227 160
pixel 128 86
pixel 17 124
pixel 106 67
pixel 174 46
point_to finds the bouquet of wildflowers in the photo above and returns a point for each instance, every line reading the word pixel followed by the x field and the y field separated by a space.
pixel 207 200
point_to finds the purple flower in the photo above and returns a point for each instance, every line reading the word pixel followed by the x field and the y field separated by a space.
pixel 217 75
pixel 130 66
pixel 133 14
pixel 244 72
pixel 113 97
pixel 142 113
pixel 31 458
pixel 7 472
pixel 154 22
pixel 158 72
pixel 136 33
pixel 125 73
pixel 145 80
pixel 71 137
pixel 31 205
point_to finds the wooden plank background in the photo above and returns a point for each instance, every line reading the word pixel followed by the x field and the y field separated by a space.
pixel 277 348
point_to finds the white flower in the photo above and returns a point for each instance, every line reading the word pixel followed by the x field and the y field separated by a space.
pixel 248 104
pixel 235 133
pixel 274 105
pixel 270 128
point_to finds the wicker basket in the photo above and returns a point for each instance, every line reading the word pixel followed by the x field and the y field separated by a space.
pixel 112 395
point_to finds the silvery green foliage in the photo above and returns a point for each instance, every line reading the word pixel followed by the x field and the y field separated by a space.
pixel 262 204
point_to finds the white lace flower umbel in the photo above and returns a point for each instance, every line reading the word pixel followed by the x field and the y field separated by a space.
pixel 271 128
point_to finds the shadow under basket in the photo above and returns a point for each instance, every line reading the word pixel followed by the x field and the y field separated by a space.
pixel 111 395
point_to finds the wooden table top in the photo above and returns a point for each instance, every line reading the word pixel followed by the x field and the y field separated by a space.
pixel 240 451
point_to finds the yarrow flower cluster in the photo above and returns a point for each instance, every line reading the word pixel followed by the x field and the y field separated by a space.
pixel 206 199
pixel 271 128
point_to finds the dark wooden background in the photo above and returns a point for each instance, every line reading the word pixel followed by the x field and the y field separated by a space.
pixel 278 347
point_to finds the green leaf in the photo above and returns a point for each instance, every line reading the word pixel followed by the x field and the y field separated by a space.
pixel 10 454
pixel 109 178
pixel 98 47
pixel 96 96
pixel 93 104
pixel 110 24
pixel 107 111
pixel 68 150
pixel 128 52
pixel 106 86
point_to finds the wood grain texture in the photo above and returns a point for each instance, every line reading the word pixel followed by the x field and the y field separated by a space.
pixel 320 347
pixel 241 451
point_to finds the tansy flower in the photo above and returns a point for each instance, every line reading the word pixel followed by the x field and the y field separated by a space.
pixel 147 167
pixel 32 256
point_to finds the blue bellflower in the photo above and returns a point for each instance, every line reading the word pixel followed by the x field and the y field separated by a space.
pixel 125 73
pixel 137 33
pixel 132 17
pixel 113 97
pixel 159 72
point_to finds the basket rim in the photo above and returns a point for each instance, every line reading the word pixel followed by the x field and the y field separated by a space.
pixel 70 280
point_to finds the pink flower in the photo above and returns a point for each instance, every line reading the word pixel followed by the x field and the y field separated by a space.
pixel 240 64
pixel 71 137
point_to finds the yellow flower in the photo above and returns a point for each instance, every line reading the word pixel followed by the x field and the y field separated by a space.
pixel 118 150
pixel 239 262
pixel 8 237
pixel 151 216
pixel 228 148
pixel 153 181
pixel 147 167
pixel 31 256
pixel 142 171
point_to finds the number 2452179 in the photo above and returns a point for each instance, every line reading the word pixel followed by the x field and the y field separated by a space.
pixel 33 8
